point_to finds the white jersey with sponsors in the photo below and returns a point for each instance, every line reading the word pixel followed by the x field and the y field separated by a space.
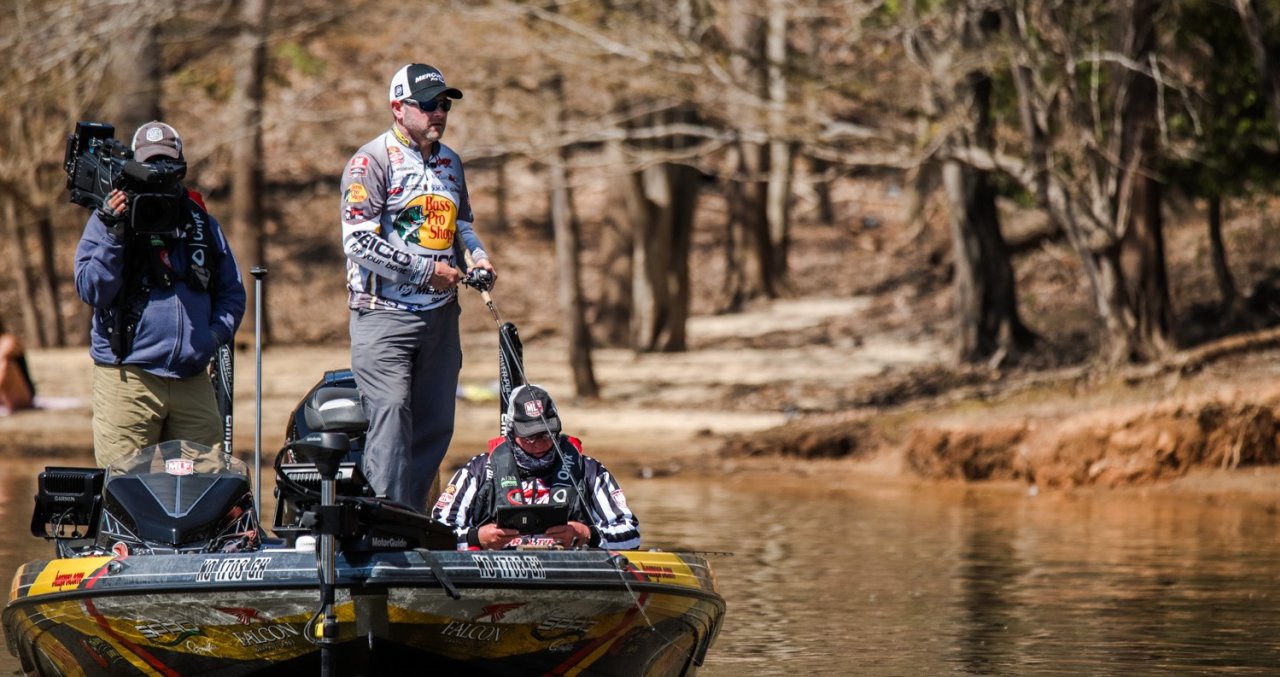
pixel 401 212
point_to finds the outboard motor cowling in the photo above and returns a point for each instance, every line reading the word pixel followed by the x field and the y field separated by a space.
pixel 178 497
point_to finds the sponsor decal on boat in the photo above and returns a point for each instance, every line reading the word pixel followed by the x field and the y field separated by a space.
pixel 510 567
pixel 101 653
pixel 563 633
pixel 658 573
pixel 390 542
pixel 169 633
pixel 494 612
pixel 562 645
pixel 232 569
pixel 472 631
pixel 60 656
pixel 179 466
pixel 65 574
pixel 267 634
pixel 201 645
pixel 243 614
pixel 61 580
pixel 554 627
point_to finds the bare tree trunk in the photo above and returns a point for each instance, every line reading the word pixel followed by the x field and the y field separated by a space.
pixel 986 296
pixel 33 333
pixel 1142 254
pixel 684 201
pixel 47 291
pixel 1229 303
pixel 749 268
pixel 986 299
pixel 248 225
pixel 1109 211
pixel 781 160
pixel 613 318
pixel 662 204
pixel 748 272
pixel 568 252
pixel 822 189
pixel 1137 210
pixel 651 256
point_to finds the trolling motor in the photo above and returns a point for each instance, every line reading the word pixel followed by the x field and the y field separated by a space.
pixel 325 450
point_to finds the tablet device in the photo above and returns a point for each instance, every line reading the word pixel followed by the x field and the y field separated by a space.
pixel 532 519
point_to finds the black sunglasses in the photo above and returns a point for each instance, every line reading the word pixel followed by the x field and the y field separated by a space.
pixel 430 106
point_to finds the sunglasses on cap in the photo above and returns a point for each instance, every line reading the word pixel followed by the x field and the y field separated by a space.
pixel 430 106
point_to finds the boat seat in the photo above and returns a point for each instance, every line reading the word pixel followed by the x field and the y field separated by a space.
pixel 335 409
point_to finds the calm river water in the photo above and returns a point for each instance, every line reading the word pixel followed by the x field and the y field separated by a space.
pixel 871 579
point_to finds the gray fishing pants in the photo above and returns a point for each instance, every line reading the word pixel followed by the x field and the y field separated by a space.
pixel 406 366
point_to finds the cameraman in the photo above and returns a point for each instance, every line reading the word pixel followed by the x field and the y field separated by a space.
pixel 164 295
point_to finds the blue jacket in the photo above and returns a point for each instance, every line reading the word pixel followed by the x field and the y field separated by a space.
pixel 180 327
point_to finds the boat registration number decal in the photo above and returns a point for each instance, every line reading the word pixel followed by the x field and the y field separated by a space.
pixel 233 569
pixel 509 567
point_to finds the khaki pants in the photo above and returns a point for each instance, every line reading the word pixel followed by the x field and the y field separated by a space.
pixel 133 409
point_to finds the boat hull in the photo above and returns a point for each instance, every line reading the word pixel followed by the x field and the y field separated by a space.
pixel 526 612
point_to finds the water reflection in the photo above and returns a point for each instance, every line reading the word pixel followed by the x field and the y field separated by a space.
pixel 899 580
pixel 879 579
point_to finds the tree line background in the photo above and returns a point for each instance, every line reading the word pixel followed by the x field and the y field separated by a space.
pixel 1097 115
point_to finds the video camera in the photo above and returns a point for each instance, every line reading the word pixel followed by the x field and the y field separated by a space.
pixel 96 163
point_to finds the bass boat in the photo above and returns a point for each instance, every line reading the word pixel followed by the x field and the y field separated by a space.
pixel 160 570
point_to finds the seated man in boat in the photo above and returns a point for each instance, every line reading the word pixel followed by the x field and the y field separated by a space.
pixel 535 464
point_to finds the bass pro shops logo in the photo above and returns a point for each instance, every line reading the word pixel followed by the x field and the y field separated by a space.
pixel 429 221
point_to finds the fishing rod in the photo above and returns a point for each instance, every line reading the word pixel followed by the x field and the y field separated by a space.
pixel 223 374
pixel 510 349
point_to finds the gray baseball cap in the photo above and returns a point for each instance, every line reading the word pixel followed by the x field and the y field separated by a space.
pixel 156 139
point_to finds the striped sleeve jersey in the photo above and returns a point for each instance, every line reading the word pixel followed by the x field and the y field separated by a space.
pixel 613 525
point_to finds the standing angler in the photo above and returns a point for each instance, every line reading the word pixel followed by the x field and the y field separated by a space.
pixel 404 202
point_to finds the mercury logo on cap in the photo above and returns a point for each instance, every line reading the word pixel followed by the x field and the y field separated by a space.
pixel 420 82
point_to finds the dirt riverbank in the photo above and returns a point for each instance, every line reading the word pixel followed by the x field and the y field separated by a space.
pixel 747 399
